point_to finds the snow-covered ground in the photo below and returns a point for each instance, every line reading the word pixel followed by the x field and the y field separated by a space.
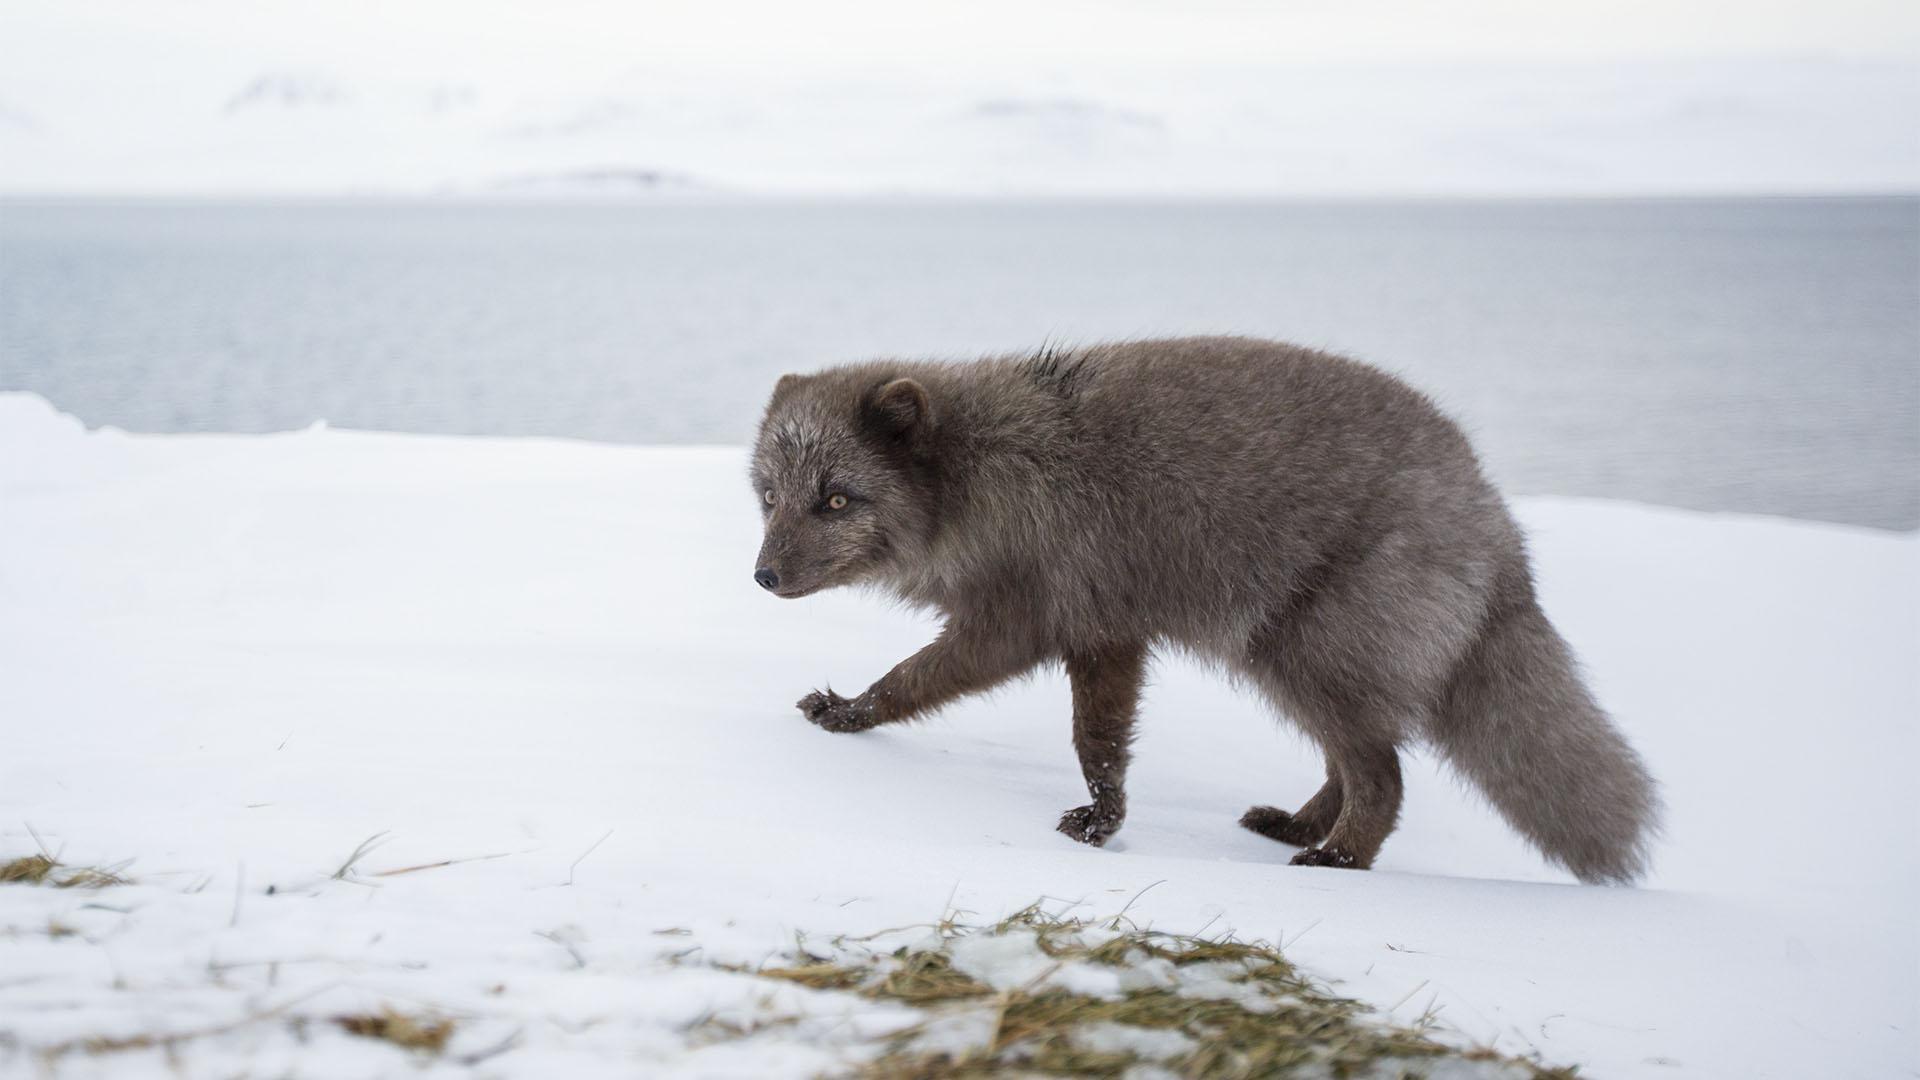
pixel 233 659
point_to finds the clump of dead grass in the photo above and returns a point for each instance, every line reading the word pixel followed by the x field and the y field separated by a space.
pixel 1262 1017
pixel 43 869
pixel 27 870
pixel 426 1034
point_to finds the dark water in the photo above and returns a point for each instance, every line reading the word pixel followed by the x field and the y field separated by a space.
pixel 1757 355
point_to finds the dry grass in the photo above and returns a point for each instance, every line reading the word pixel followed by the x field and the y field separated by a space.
pixel 426 1034
pixel 27 870
pixel 1273 1022
pixel 44 869
pixel 367 846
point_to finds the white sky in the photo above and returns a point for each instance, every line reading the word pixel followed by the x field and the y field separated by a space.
pixel 127 94
pixel 487 34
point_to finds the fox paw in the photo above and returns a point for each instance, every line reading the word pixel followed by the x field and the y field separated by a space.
pixel 1091 824
pixel 1328 856
pixel 1276 824
pixel 835 713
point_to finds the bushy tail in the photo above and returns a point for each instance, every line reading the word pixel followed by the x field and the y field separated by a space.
pixel 1521 725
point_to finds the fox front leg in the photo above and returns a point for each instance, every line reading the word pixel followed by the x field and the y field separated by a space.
pixel 835 713
pixel 1106 695
pixel 966 658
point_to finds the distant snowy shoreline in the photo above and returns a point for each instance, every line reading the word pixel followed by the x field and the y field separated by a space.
pixel 1618 125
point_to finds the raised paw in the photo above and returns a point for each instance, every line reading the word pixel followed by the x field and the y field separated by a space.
pixel 835 713
pixel 1092 824
pixel 818 702
pixel 1327 856
pixel 1276 824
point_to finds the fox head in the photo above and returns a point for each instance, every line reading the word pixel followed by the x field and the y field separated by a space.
pixel 841 469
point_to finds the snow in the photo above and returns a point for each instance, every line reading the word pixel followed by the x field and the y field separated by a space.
pixel 1006 961
pixel 1150 1043
pixel 234 659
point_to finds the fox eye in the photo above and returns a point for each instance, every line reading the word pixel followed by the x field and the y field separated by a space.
pixel 836 502
pixel 769 496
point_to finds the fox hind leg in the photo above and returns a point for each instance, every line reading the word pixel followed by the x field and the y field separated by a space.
pixel 1304 827
pixel 1371 788
pixel 1351 816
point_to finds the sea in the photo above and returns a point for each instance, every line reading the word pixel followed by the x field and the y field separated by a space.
pixel 1755 355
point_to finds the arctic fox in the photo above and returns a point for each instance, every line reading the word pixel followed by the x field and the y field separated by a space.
pixel 1313 524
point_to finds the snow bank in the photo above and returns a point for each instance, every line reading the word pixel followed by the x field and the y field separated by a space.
pixel 234 659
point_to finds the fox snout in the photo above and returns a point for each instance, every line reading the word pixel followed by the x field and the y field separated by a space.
pixel 790 574
pixel 783 571
pixel 772 568
pixel 798 556
pixel 788 587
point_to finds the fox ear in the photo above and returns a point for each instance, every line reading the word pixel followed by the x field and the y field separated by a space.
pixel 900 406
pixel 786 384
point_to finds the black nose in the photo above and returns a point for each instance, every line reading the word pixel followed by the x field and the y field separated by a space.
pixel 767 578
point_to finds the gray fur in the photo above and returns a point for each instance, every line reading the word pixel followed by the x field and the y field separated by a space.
pixel 1311 523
